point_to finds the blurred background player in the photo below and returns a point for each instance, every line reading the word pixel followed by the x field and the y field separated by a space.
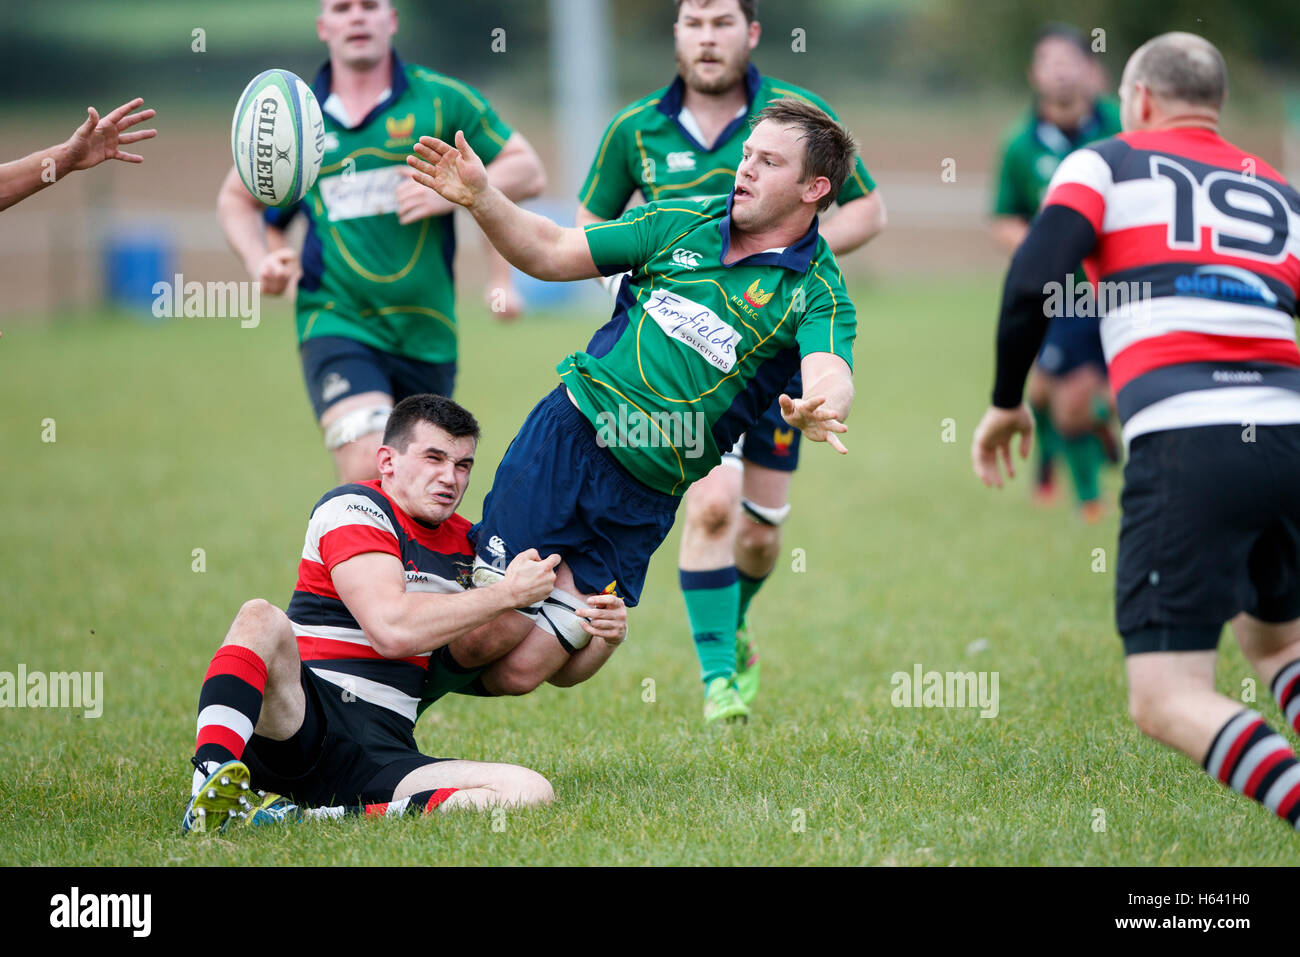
pixel 1067 387
pixel 375 295
pixel 597 470
pixel 318 707
pixel 1207 382
pixel 96 140
pixel 681 142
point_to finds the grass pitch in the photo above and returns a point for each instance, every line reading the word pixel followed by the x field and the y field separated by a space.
pixel 196 434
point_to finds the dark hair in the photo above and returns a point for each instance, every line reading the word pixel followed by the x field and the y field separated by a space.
pixel 828 147
pixel 437 410
pixel 1184 67
pixel 1063 31
pixel 748 7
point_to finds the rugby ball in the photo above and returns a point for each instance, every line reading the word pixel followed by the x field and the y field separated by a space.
pixel 278 138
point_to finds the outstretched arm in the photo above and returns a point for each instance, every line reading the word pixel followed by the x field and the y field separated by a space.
pixel 827 398
pixel 95 141
pixel 532 243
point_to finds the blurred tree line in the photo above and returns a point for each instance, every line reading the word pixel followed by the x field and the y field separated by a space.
pixel 54 50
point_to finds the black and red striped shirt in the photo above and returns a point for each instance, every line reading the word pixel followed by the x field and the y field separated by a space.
pixel 352 520
pixel 1207 239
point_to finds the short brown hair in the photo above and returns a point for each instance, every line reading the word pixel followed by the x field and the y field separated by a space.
pixel 438 410
pixel 748 7
pixel 829 149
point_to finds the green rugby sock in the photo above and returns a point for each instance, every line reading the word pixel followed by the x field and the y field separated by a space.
pixel 749 587
pixel 1048 441
pixel 1084 455
pixel 712 602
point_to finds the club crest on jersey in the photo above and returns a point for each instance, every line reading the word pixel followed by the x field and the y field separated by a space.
pixel 399 131
pixel 686 258
pixel 681 161
pixel 781 440
pixel 756 296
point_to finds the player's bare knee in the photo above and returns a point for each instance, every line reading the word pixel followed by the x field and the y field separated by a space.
pixel 510 678
pixel 526 787
pixel 759 541
pixel 710 513
pixel 1147 707
pixel 261 627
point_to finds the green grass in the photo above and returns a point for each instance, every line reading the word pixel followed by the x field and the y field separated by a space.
pixel 196 434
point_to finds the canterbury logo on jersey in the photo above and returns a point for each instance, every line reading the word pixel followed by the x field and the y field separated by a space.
pixel 686 258
pixel 681 161
pixel 756 296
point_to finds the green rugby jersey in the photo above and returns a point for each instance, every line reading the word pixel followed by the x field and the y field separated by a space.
pixel 647 148
pixel 366 276
pixel 696 351
pixel 1032 150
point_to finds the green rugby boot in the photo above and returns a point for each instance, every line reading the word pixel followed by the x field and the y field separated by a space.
pixel 722 702
pixel 224 796
pixel 747 666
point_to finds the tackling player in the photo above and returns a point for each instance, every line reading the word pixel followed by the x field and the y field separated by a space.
pixel 96 140
pixel 728 297
pixel 1067 387
pixel 375 300
pixel 1206 376
pixel 685 141
pixel 318 707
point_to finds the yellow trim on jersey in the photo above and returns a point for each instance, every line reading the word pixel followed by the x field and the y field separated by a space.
pixel 739 358
pixel 681 469
pixel 700 179
pixel 646 165
pixel 609 134
pixel 418 310
pixel 311 321
pixel 365 273
pixel 649 212
pixel 363 151
pixel 831 350
pixel 465 92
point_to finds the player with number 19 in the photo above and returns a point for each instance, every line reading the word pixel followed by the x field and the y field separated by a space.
pixel 1206 376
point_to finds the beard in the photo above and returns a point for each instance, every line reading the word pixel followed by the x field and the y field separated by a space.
pixel 733 73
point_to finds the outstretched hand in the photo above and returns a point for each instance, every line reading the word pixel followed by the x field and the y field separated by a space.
pixel 99 139
pixel 454 172
pixel 811 417
pixel 993 441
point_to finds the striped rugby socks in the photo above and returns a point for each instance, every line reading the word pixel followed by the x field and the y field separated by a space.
pixel 1250 757
pixel 1286 692
pixel 229 703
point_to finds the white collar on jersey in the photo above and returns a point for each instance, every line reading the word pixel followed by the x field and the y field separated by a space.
pixel 692 126
pixel 333 105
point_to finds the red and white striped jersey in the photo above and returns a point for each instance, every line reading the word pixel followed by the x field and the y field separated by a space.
pixel 1197 273
pixel 351 520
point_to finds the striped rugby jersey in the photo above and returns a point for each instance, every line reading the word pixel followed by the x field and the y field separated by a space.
pixel 351 520
pixel 1215 231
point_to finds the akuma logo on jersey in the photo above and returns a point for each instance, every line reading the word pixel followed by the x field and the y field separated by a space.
pixel 686 258
pixel 1231 283
pixel 756 296
pixel 399 131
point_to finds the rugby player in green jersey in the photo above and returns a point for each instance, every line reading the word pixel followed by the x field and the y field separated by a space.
pixel 726 299
pixel 375 299
pixel 685 141
pixel 1067 387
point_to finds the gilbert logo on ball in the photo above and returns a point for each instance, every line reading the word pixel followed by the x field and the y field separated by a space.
pixel 278 138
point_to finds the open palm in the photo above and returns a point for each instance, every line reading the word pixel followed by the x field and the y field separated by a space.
pixel 454 172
